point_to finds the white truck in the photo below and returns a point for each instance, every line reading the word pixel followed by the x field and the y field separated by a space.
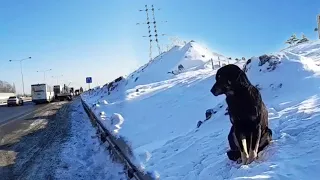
pixel 63 93
pixel 41 93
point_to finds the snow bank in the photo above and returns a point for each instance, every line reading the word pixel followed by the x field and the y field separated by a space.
pixel 310 49
pixel 4 97
pixel 159 113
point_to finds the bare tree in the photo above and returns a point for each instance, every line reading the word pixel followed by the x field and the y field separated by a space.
pixel 5 87
pixel 14 88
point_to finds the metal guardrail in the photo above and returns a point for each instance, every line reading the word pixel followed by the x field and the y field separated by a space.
pixel 117 146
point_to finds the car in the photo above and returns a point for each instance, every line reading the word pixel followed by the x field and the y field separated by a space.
pixel 14 100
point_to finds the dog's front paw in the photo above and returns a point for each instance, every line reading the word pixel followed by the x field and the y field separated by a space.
pixel 244 158
pixel 252 156
pixel 238 161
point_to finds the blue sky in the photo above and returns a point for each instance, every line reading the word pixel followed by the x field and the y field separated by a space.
pixel 79 38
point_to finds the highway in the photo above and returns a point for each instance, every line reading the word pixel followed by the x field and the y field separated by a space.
pixel 10 113
pixel 26 132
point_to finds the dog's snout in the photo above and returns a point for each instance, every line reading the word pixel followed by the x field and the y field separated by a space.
pixel 215 90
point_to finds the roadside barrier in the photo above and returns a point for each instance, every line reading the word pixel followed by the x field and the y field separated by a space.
pixel 118 147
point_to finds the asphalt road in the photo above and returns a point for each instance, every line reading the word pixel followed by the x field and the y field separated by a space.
pixel 14 112
pixel 26 132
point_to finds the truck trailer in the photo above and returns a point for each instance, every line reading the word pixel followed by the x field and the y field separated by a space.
pixel 62 93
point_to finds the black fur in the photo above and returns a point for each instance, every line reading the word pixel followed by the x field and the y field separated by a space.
pixel 248 114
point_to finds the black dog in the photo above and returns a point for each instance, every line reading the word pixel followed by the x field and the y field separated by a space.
pixel 249 133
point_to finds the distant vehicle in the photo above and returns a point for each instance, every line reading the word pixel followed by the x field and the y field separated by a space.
pixel 56 90
pixel 77 92
pixel 71 90
pixel 41 93
pixel 14 101
pixel 62 93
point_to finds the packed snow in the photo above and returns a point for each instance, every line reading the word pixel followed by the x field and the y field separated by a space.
pixel 157 112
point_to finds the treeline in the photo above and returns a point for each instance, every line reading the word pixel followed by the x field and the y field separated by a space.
pixel 5 87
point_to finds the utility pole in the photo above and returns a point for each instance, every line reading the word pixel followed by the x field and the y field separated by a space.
pixel 212 63
pixel 21 71
pixel 149 29
pixel 318 18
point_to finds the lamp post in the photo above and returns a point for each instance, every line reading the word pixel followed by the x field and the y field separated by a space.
pixel 44 74
pixel 21 71
pixel 57 77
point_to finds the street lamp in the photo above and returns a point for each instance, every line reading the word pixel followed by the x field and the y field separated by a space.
pixel 57 77
pixel 21 71
pixel 44 74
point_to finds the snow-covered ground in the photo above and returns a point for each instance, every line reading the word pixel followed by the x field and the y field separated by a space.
pixel 157 113
pixel 82 155
pixel 311 50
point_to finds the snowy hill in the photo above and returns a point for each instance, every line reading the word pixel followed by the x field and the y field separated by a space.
pixel 191 56
pixel 158 114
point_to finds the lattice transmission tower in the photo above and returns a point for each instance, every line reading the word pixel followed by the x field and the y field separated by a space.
pixel 150 35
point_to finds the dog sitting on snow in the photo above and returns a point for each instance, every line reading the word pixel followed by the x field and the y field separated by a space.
pixel 249 133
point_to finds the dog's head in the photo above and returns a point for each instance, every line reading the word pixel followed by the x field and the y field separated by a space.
pixel 227 78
